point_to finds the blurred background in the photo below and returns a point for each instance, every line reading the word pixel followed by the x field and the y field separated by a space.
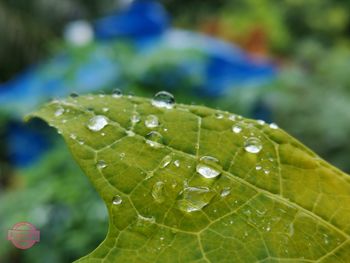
pixel 283 61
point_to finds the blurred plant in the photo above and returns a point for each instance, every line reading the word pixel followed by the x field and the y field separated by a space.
pixel 311 100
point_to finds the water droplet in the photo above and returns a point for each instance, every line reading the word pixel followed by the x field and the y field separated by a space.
pixel 135 118
pixel 165 162
pixel 273 125
pixel 236 128
pixel 253 145
pixel 101 164
pixel 117 93
pixel 74 95
pixel 163 99
pixel 266 171
pixel 151 121
pixel 177 163
pixel 105 109
pixel 232 117
pixel 59 112
pixel 97 123
pixel 158 192
pixel 194 199
pixel 122 155
pixel 208 167
pixel 261 122
pixel 225 191
pixel 145 221
pixel 258 167
pixel 117 200
pixel 130 133
pixel 73 136
pixel 154 139
pixel 219 115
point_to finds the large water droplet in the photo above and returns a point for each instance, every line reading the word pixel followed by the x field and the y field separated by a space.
pixel 101 164
pixel 158 192
pixel 154 139
pixel 253 145
pixel 208 167
pixel 117 93
pixel 117 200
pixel 165 162
pixel 135 118
pixel 163 99
pixel 194 199
pixel 236 128
pixel 151 121
pixel 59 111
pixel 97 123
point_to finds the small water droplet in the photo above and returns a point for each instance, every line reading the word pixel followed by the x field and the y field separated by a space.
pixel 59 111
pixel 154 139
pixel 135 118
pixel 163 99
pixel 258 167
pixel 97 123
pixel 130 133
pixel 236 128
pixel 253 145
pixel 266 171
pixel 225 191
pixel 101 164
pixel 105 109
pixel 165 162
pixel 208 167
pixel 273 125
pixel 73 136
pixel 177 163
pixel 74 95
pixel 158 192
pixel 219 115
pixel 117 93
pixel 151 121
pixel 194 199
pixel 122 155
pixel 261 122
pixel 117 200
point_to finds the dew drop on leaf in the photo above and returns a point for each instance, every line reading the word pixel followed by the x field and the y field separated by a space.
pixel 135 118
pixel 163 99
pixel 101 164
pixel 225 191
pixel 105 109
pixel 158 192
pixel 253 145
pixel 59 112
pixel 177 163
pixel 273 125
pixel 236 129
pixel 261 122
pixel 130 133
pixel 165 162
pixel 117 93
pixel 208 167
pixel 117 200
pixel 219 115
pixel 194 199
pixel 151 121
pixel 97 123
pixel 154 139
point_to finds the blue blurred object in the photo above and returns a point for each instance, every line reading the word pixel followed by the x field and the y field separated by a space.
pixel 133 46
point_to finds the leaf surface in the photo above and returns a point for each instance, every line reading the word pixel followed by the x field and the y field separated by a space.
pixel 192 187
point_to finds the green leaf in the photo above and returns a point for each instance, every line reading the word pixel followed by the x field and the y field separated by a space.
pixel 201 185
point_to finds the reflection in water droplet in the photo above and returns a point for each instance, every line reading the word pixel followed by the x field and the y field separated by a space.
pixel 163 99
pixel 97 123
pixel 135 118
pixel 158 192
pixel 165 162
pixel 225 191
pixel 236 128
pixel 117 200
pixel 154 139
pixel 253 145
pixel 208 167
pixel 117 93
pixel 101 164
pixel 151 121
pixel 273 125
pixel 59 112
pixel 194 199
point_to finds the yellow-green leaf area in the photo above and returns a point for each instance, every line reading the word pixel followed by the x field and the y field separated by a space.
pixel 182 184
